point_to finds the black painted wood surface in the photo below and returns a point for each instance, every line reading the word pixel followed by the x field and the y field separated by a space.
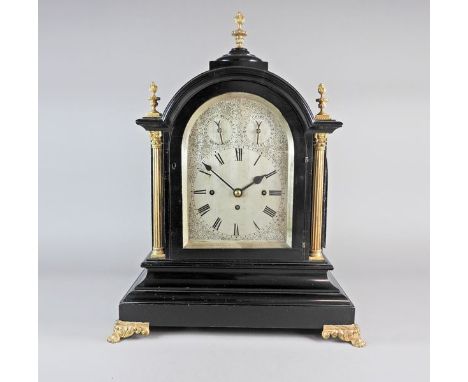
pixel 241 294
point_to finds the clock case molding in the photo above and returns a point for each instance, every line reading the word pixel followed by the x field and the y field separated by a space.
pixel 250 288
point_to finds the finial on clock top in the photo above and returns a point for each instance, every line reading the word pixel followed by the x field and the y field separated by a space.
pixel 322 116
pixel 153 101
pixel 240 33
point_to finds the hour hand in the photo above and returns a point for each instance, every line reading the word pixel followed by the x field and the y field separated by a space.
pixel 256 180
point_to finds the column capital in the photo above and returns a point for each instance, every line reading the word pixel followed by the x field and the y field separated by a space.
pixel 156 139
pixel 320 141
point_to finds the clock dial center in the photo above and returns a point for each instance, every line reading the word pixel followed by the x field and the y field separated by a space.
pixel 237 210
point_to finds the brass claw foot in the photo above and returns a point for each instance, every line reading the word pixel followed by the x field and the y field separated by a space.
pixel 125 329
pixel 348 333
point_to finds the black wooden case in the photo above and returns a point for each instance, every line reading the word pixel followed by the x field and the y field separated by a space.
pixel 250 288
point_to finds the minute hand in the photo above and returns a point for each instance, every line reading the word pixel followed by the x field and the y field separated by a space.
pixel 209 168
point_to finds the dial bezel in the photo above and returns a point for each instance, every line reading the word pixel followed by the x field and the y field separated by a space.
pixel 296 112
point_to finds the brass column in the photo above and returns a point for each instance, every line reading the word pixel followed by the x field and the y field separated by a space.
pixel 157 196
pixel 318 180
pixel 320 145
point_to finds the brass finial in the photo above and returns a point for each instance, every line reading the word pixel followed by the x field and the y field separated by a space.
pixel 239 34
pixel 322 116
pixel 153 101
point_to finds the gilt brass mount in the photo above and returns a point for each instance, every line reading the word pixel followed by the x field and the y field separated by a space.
pixel 322 101
pixel 347 333
pixel 240 33
pixel 153 101
pixel 125 329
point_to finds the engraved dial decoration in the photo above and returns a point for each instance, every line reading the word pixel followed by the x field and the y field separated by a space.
pixel 237 175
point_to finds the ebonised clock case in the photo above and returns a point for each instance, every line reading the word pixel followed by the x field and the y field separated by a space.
pixel 258 288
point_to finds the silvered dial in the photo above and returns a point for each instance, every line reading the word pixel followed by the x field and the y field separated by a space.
pixel 237 175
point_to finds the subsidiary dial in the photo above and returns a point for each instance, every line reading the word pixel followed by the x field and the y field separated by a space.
pixel 258 130
pixel 219 130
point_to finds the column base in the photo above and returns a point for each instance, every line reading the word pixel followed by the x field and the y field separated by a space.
pixel 316 255
pixel 125 329
pixel 157 253
pixel 347 333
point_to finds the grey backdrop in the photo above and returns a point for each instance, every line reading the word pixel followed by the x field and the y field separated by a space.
pixel 96 61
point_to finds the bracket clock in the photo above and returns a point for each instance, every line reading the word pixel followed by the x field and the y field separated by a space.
pixel 239 204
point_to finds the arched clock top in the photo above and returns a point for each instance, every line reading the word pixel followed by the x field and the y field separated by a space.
pixel 238 78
